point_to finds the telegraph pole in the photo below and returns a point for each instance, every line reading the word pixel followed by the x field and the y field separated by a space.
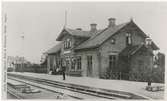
pixel 22 53
pixel 65 19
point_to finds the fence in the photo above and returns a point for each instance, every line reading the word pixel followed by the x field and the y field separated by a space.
pixel 33 68
pixel 143 77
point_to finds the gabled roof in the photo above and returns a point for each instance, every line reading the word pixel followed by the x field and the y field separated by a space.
pixel 73 32
pixel 106 33
pixel 94 39
pixel 131 50
pixel 99 38
pixel 76 32
pixel 55 48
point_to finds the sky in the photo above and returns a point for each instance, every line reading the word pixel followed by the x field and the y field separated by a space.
pixel 42 22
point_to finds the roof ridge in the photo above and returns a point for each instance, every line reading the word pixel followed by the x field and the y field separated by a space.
pixel 53 47
pixel 116 28
pixel 139 46
pixel 98 33
pixel 81 30
pixel 92 37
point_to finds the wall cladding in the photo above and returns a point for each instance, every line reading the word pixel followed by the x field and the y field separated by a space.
pixel 107 48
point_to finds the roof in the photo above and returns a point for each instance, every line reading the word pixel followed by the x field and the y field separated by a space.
pixel 44 62
pixel 76 32
pixel 94 39
pixel 73 32
pixel 131 50
pixel 55 48
pixel 99 38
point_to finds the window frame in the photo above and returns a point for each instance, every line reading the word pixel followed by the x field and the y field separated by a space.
pixel 112 61
pixel 90 61
pixel 79 62
pixel 67 43
pixel 73 62
pixel 128 39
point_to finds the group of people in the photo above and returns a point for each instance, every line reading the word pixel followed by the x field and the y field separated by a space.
pixel 62 71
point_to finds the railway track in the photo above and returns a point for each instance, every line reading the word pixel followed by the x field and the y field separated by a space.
pixel 14 94
pixel 101 93
pixel 55 91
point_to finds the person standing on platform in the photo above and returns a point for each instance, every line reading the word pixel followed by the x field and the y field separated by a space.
pixel 63 71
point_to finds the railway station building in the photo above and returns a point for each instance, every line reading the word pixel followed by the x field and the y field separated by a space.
pixel 123 48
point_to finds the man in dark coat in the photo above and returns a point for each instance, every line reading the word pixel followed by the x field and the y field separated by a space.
pixel 63 71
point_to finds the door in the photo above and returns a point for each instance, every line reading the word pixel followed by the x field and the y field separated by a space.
pixel 67 64
pixel 89 66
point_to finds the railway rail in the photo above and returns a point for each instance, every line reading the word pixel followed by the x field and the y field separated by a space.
pixel 18 91
pixel 101 93
pixel 14 94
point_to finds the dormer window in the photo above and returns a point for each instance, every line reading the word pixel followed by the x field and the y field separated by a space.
pixel 148 41
pixel 67 44
pixel 128 39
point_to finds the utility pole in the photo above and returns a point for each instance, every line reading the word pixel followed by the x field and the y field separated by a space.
pixel 22 53
pixel 65 19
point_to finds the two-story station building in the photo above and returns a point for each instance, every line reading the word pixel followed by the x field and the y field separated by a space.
pixel 121 48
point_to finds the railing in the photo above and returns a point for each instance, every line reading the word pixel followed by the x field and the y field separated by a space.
pixel 75 73
pixel 144 77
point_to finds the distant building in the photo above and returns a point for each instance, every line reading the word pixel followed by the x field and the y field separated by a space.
pixel 15 62
pixel 122 48
pixel 10 63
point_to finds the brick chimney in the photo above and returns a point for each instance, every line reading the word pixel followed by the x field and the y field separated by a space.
pixel 93 27
pixel 111 22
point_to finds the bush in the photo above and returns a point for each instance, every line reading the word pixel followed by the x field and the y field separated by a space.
pixel 108 74
pixel 32 68
pixel 156 75
pixel 153 75
pixel 10 69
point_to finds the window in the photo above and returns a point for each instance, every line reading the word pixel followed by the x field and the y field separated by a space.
pixel 73 64
pixel 70 44
pixel 67 44
pixel 112 62
pixel 89 64
pixel 128 39
pixel 89 58
pixel 79 62
pixel 64 45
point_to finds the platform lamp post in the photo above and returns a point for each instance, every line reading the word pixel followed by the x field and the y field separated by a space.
pixel 148 45
pixel 154 66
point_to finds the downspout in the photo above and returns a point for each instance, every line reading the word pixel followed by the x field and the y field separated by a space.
pixel 128 62
pixel 99 60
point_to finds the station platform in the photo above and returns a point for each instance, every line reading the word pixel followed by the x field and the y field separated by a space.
pixel 134 87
